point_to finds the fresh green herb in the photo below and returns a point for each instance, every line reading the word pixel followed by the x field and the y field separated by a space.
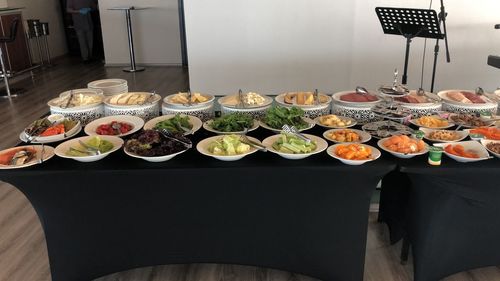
pixel 278 116
pixel 175 123
pixel 233 122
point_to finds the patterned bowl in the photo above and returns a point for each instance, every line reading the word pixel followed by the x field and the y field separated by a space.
pixel 458 107
pixel 228 104
pixel 360 111
pixel 204 113
pixel 84 113
pixel 146 111
pixel 310 111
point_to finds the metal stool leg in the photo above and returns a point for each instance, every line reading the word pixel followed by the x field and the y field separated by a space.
pixel 5 77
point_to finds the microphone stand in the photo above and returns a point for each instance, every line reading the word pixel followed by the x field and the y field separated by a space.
pixel 442 18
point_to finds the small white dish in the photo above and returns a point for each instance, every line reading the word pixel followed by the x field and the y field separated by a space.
pixel 461 135
pixel 344 118
pixel 154 159
pixel 202 147
pixel 61 149
pixel 417 123
pixel 309 121
pixel 364 136
pixel 55 138
pixel 485 144
pixel 321 145
pixel 380 144
pixel 468 145
pixel 48 152
pixel 195 121
pixel 206 126
pixel 134 121
pixel 375 155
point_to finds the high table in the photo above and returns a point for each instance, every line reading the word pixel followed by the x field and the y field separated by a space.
pixel 448 213
pixel 308 216
pixel 127 9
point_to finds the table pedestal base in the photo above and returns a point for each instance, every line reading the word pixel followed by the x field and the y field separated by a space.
pixel 137 69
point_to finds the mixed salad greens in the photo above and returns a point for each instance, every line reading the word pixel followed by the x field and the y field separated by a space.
pixel 175 124
pixel 278 116
pixel 291 144
pixel 228 145
pixel 151 143
pixel 233 122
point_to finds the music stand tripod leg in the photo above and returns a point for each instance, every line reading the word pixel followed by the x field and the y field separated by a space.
pixel 133 67
pixel 407 56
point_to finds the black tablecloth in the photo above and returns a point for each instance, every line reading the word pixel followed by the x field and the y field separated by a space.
pixel 450 214
pixel 308 216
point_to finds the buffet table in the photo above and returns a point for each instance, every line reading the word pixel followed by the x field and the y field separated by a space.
pixel 449 214
pixel 308 216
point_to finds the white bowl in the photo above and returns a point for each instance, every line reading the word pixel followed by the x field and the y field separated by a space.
pixel 48 152
pixel 427 131
pixel 135 121
pixel 468 145
pixel 459 107
pixel 307 120
pixel 280 99
pixel 364 136
pixel 61 101
pixel 310 111
pixel 321 145
pixel 154 159
pixel 416 123
pixel 353 122
pixel 195 121
pixel 169 103
pixel 61 149
pixel 206 126
pixel 146 111
pixel 336 99
pixel 230 101
pixel 479 137
pixel 375 155
pixel 202 147
pixel 486 142
pixel 399 154
pixel 55 138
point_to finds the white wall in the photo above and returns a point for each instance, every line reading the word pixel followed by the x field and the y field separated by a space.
pixel 156 32
pixel 3 3
pixel 47 11
pixel 280 45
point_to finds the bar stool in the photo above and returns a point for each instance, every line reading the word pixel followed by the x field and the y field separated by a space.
pixel 8 39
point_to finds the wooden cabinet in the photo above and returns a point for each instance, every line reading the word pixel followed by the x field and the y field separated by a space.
pixel 16 54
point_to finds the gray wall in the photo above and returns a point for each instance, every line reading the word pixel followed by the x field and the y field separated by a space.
pixel 280 45
pixel 156 32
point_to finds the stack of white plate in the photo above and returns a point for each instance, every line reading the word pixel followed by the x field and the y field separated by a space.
pixel 110 86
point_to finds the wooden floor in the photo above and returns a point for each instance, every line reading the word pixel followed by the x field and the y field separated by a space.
pixel 23 252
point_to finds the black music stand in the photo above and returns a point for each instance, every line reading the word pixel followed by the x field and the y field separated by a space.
pixel 409 23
